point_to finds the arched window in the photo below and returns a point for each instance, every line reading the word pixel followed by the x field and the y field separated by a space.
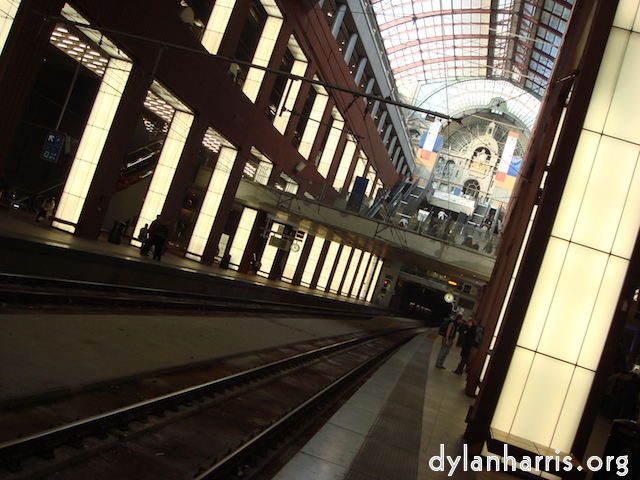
pixel 448 169
pixel 471 188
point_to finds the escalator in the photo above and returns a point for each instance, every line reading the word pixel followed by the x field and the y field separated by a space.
pixel 139 164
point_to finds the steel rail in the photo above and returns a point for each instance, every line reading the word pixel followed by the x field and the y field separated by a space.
pixel 234 460
pixel 81 292
pixel 58 435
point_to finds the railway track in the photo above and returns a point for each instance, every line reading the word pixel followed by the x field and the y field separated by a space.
pixel 20 292
pixel 247 413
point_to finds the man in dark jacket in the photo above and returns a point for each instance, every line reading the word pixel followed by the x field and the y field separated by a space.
pixel 466 344
pixel 447 341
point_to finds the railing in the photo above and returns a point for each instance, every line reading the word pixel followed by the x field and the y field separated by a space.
pixel 446 231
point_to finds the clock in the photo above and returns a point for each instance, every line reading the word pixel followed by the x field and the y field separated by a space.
pixel 448 297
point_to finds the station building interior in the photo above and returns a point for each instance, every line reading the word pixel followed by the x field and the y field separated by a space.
pixel 388 152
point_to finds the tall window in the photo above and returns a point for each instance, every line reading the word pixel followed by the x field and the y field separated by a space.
pixel 250 37
pixel 279 86
pixel 304 117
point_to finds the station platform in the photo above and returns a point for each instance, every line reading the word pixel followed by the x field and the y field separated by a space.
pixel 390 429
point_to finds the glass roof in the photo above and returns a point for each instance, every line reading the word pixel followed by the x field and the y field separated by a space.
pixel 435 44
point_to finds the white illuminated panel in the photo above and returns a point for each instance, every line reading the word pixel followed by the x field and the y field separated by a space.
pixel 332 144
pixel 571 410
pixel 374 279
pixel 262 56
pixel 92 142
pixel 361 165
pixel 603 176
pixel 621 121
pixel 313 123
pixel 217 25
pixel 327 267
pixel 340 268
pixel 345 163
pixel 269 253
pixel 572 199
pixel 291 265
pixel 166 168
pixel 359 280
pixel 8 9
pixel 370 267
pixel 578 286
pixel 542 398
pixel 350 273
pixel 211 203
pixel 312 262
pixel 241 237
pixel 602 312
pixel 263 171
pixel 292 88
pixel 512 389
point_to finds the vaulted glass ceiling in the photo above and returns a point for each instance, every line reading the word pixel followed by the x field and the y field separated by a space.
pixel 506 47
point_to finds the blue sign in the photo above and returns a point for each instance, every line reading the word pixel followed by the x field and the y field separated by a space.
pixel 52 147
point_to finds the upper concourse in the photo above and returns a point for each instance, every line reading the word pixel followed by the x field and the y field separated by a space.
pixel 125 113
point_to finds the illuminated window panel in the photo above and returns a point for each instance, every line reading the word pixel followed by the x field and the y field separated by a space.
pixel 291 265
pixel 512 389
pixel 369 268
pixel 292 89
pixel 573 299
pixel 8 9
pixel 327 267
pixel 359 170
pixel 312 262
pixel 543 395
pixel 269 253
pixel 579 283
pixel 374 279
pixel 350 273
pixel 211 202
pixel 165 168
pixel 358 282
pixel 371 185
pixel 572 408
pixel 258 168
pixel 569 208
pixel 609 213
pixel 262 55
pixel 345 163
pixel 91 144
pixel 340 269
pixel 625 101
pixel 326 159
pixel 217 25
pixel 241 237
pixel 313 125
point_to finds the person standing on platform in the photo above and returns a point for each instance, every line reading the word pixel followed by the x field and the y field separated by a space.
pixel 46 209
pixel 159 239
pixel 447 341
pixel 146 247
pixel 143 236
pixel 467 343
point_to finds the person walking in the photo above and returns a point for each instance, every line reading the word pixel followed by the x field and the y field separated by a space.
pixel 447 341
